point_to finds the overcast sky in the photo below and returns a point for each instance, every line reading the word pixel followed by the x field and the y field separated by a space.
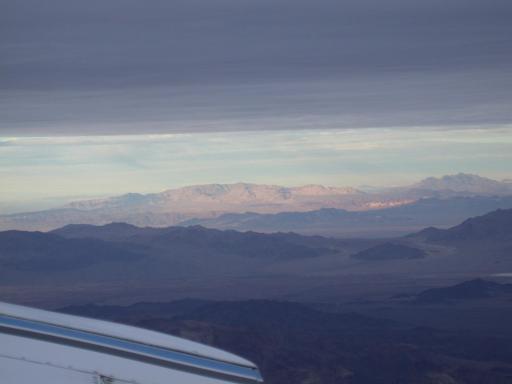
pixel 339 92
pixel 130 66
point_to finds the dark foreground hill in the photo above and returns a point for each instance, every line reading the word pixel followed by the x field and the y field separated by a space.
pixel 196 239
pixel 294 343
pixel 121 252
pixel 49 253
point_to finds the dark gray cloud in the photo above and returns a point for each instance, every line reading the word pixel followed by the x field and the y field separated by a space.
pixel 69 66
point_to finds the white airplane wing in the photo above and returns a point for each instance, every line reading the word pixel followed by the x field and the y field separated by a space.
pixel 42 347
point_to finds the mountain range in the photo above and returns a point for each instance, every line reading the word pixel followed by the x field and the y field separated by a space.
pixel 180 205
pixel 387 222
pixel 465 183
pixel 124 261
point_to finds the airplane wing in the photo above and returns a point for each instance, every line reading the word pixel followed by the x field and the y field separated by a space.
pixel 42 347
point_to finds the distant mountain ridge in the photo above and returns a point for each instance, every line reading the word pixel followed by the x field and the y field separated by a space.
pixel 460 184
pixel 175 206
pixel 380 222
pixel 222 194
pixel 465 183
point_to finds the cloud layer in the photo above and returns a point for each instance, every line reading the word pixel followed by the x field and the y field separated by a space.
pixel 70 67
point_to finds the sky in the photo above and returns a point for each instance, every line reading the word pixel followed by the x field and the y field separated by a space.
pixel 104 97
pixel 41 172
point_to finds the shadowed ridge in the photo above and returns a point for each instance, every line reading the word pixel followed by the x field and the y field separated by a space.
pixel 467 290
pixel 496 225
